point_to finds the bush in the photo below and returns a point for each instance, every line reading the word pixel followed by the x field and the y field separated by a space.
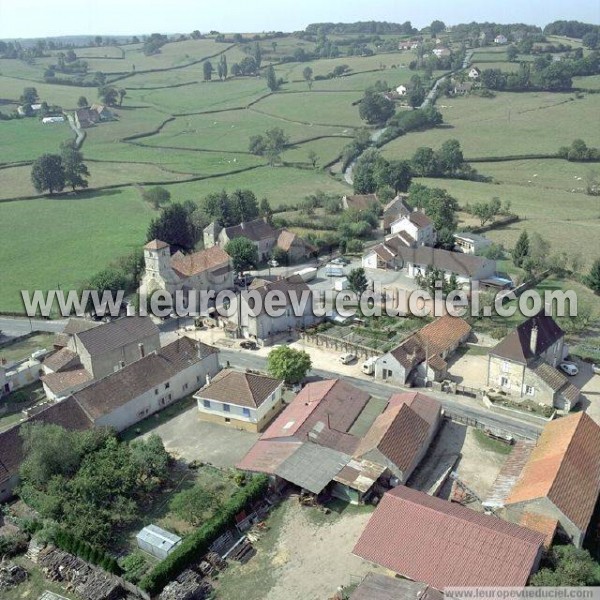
pixel 198 543
pixel 12 545
pixel 92 554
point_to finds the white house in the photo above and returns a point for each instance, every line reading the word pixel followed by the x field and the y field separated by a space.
pixel 415 229
pixel 380 256
pixel 142 388
pixel 16 375
pixel 208 269
pixel 474 73
pixel 242 400
pixel 500 39
pixel 441 52
pixel 401 90
pixel 470 243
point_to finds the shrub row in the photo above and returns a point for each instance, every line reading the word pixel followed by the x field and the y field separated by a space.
pixel 198 543
pixel 92 554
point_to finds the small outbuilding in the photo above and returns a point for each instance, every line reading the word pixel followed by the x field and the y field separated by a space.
pixel 156 541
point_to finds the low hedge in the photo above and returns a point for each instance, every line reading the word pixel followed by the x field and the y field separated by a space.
pixel 93 554
pixel 193 547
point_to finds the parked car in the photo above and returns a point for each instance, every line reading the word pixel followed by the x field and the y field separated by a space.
pixel 568 368
pixel 596 369
pixel 340 261
pixel 248 345
pixel 334 271
pixel 347 358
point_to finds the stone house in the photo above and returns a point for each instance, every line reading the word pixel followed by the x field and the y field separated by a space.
pixel 241 400
pixel 208 269
pixel 294 246
pixel 524 364
pixel 421 357
pixel 361 202
pixel 265 328
pixel 148 385
pixel 394 210
pixel 260 232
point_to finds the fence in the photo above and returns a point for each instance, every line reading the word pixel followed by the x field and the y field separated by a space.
pixel 338 344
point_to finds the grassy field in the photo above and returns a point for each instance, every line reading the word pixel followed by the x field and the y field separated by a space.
pixel 591 82
pixel 564 219
pixel 509 124
pixel 26 139
pixel 23 348
pixel 63 241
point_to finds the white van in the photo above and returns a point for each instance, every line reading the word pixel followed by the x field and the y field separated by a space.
pixel 368 367
pixel 334 271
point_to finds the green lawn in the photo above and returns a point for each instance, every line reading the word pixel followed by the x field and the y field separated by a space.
pixel 63 95
pixel 23 348
pixel 569 221
pixel 26 139
pixel 509 124
pixel 63 241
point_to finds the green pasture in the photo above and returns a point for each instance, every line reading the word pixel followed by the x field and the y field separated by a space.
pixel 508 124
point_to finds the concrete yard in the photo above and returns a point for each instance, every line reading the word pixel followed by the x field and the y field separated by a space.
pixel 187 437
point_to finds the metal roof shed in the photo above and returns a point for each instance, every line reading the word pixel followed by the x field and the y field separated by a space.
pixel 157 541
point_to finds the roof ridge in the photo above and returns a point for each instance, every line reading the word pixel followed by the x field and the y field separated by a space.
pixel 455 508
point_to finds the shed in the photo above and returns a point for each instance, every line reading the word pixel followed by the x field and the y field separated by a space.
pixel 157 541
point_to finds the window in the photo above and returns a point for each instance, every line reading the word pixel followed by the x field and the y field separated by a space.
pixel 505 367
pixel 206 403
pixel 246 412
pixel 226 408
pixel 197 378
pixel 156 391
pixel 504 382
pixel 167 385
pixel 529 390
pixel 185 386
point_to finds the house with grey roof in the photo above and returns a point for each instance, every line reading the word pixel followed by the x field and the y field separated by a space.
pixel 414 229
pixel 247 401
pixel 149 384
pixel 524 363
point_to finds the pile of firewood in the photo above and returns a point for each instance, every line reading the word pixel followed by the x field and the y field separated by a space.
pixel 89 582
pixel 188 586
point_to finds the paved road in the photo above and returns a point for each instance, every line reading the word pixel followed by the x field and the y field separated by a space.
pixel 15 326
pixel 457 405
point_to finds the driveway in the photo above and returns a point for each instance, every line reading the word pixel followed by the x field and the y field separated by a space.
pixel 189 438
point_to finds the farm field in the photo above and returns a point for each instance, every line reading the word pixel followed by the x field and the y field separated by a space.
pixel 563 219
pixel 61 242
pixel 509 124
pixel 230 131
pixel 26 139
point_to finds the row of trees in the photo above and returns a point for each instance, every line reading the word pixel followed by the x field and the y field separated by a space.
pixel 270 145
pixel 53 172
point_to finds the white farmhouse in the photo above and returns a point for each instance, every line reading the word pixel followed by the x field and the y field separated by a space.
pixel 415 229
pixel 242 400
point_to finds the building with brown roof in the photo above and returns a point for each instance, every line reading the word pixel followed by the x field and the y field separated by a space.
pixel 443 544
pixel 402 433
pixel 394 210
pixel 148 385
pixel 361 202
pixel 561 478
pixel 208 269
pixel 242 400
pixel 381 587
pixel 422 356
pixel 67 414
pixel 294 246
pixel 524 364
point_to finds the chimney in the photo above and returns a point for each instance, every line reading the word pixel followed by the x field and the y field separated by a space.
pixel 533 339
pixel 142 352
pixel 243 225
pixel 208 379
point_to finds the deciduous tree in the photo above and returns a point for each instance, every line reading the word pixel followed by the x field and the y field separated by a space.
pixel 289 364
pixel 48 174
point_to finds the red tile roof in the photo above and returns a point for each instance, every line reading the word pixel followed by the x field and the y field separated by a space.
pixel 198 262
pixel 362 201
pixel 426 407
pixel 445 544
pixel 399 433
pixel 321 406
pixel 565 468
pixel 267 455
pixel 156 245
